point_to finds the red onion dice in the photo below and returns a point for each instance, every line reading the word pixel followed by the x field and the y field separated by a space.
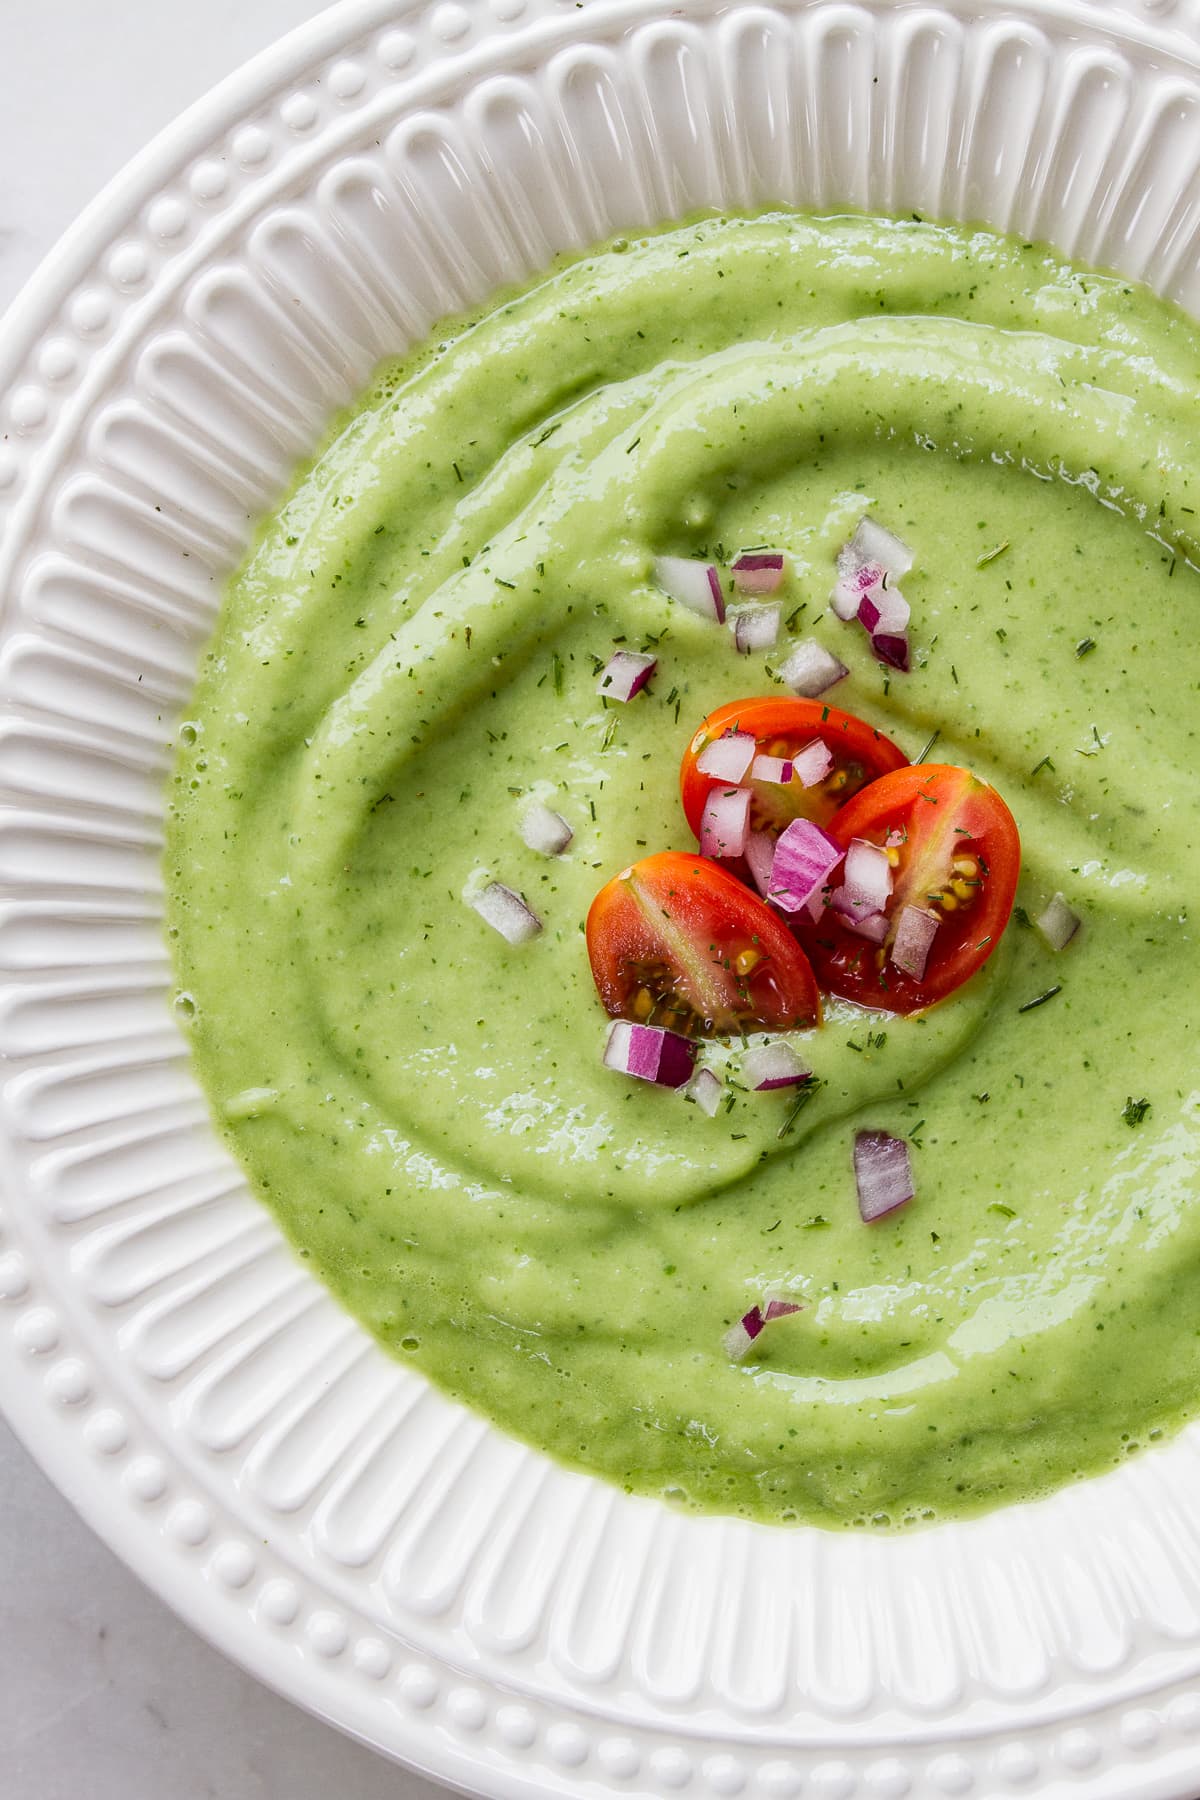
pixel 854 580
pixel 741 1336
pixel 872 926
pixel 892 649
pixel 649 1053
pixel 874 543
pixel 1058 924
pixel 812 764
pixel 725 822
pixel 506 912
pixel 776 770
pixel 804 858
pixel 884 612
pixel 756 628
pixel 868 876
pixel 707 1090
pixel 728 758
pixel 810 670
pixel 915 931
pixel 760 854
pixel 625 675
pixel 694 584
pixel 758 572
pixel 882 1174
pixel 776 1065
pixel 544 831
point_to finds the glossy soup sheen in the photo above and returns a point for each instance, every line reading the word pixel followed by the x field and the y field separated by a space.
pixel 409 653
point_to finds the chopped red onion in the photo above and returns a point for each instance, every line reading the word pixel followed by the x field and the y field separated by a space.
pixel 868 876
pixel 706 1090
pixel 728 758
pixel 506 912
pixel 695 584
pixel 775 1065
pixel 874 543
pixel 915 932
pixel 810 670
pixel 812 764
pixel 649 1053
pixel 741 1336
pixel 1058 924
pixel 854 581
pixel 882 1174
pixel 759 853
pixel 625 675
pixel 884 612
pixel 544 831
pixel 756 628
pixel 758 573
pixel 725 821
pixel 851 908
pixel 891 649
pixel 872 926
pixel 775 769
pixel 804 857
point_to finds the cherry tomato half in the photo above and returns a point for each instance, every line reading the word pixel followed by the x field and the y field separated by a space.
pixel 782 726
pixel 677 941
pixel 955 853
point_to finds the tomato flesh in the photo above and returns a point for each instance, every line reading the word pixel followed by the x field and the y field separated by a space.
pixel 955 852
pixel 782 726
pixel 676 941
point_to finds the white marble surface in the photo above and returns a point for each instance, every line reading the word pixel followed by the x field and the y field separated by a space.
pixel 104 1695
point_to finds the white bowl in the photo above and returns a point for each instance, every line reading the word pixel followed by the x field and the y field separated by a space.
pixel 374 1551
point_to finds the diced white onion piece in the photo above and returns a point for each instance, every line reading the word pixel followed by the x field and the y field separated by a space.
pixel 884 612
pixel 812 764
pixel 915 931
pixel 695 584
pixel 810 670
pixel 874 543
pixel 774 1065
pixel 760 854
pixel 626 674
pixel 868 876
pixel 725 822
pixel 506 912
pixel 804 857
pixel 728 758
pixel 649 1053
pixel 756 628
pixel 891 648
pixel 707 1090
pixel 774 769
pixel 759 572
pixel 544 831
pixel 882 1174
pixel 1058 924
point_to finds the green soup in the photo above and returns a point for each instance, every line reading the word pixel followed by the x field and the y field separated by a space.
pixel 409 654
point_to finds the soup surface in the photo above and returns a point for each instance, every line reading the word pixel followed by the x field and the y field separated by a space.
pixel 409 657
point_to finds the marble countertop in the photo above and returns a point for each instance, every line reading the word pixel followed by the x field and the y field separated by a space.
pixel 104 1693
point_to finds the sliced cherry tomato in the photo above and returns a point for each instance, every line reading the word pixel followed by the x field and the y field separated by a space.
pixel 782 726
pixel 677 941
pixel 955 853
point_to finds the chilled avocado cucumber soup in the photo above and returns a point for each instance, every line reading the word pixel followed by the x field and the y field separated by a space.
pixel 408 657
